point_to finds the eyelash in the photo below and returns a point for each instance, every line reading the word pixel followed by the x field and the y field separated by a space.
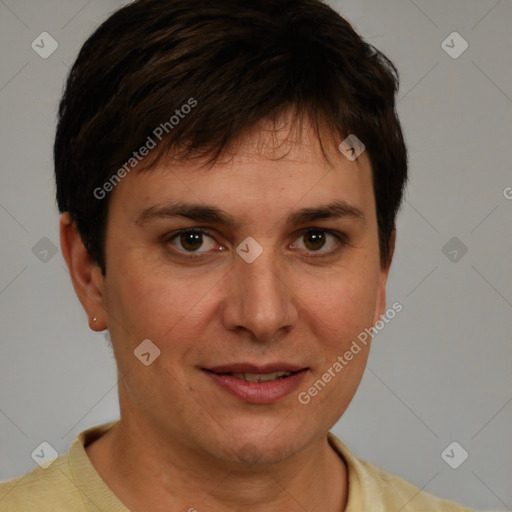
pixel 341 238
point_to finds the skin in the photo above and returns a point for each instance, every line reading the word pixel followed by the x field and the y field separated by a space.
pixel 184 443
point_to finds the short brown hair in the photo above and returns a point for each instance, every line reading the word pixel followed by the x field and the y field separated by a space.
pixel 241 61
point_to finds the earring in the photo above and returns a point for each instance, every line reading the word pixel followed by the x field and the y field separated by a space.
pixel 95 319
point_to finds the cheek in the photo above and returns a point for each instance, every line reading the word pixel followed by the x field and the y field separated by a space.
pixel 344 304
pixel 339 311
pixel 156 305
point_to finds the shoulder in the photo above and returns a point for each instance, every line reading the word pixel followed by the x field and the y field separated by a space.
pixel 69 483
pixel 40 489
pixel 371 488
pixel 397 492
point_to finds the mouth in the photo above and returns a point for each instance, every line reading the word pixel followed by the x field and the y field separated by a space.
pixel 261 377
pixel 258 384
pixel 256 377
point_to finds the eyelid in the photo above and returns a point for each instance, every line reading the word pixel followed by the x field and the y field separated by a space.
pixel 198 230
pixel 342 240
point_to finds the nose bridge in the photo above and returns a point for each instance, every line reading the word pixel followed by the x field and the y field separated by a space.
pixel 262 277
pixel 259 299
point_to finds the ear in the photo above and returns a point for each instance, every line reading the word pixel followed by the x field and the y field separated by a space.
pixel 86 275
pixel 380 308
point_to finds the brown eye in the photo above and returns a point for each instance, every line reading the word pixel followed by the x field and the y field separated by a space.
pixel 314 240
pixel 320 241
pixel 191 240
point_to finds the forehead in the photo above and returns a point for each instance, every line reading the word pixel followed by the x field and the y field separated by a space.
pixel 290 137
pixel 278 165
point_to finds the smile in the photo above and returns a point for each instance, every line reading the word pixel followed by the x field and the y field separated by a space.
pixel 261 377
pixel 258 387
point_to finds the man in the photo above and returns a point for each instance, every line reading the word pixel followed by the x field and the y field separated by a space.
pixel 229 177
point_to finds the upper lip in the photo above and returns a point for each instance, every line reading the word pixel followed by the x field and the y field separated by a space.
pixel 253 368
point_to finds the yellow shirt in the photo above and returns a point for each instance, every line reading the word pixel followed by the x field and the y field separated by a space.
pixel 71 484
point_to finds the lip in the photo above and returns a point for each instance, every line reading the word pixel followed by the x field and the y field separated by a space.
pixel 257 392
pixel 252 368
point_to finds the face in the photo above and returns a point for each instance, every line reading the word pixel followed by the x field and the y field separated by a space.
pixel 269 283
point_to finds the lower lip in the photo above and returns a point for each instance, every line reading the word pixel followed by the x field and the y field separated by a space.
pixel 258 392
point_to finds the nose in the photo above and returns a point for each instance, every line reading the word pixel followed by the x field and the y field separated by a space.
pixel 259 298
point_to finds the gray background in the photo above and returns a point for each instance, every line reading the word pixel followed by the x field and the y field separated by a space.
pixel 439 372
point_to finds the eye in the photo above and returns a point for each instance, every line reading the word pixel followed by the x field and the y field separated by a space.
pixel 314 240
pixel 191 240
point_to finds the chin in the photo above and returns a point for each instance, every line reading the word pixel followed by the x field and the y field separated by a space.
pixel 267 442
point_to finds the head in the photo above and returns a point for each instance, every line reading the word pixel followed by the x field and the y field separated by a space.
pixel 240 107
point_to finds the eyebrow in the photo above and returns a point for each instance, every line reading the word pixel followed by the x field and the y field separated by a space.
pixel 211 214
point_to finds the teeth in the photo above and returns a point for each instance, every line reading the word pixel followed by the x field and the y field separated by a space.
pixel 261 377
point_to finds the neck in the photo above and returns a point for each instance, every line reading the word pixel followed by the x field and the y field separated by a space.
pixel 144 476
